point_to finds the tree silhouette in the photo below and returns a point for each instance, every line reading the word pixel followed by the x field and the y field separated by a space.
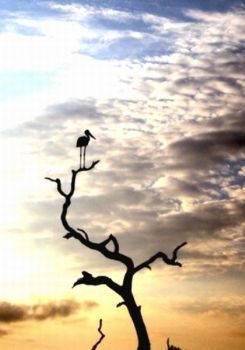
pixel 124 290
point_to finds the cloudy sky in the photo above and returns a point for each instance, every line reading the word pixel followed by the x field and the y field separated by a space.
pixel 160 85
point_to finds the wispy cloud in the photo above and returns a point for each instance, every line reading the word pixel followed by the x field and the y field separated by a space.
pixel 10 313
pixel 214 308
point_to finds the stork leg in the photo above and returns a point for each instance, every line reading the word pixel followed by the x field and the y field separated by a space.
pixel 80 157
pixel 84 155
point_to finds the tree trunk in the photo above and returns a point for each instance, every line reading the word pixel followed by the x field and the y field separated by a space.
pixel 139 325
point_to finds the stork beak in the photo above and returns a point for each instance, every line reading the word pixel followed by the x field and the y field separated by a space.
pixel 92 135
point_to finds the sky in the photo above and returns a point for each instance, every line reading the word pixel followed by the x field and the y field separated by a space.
pixel 160 85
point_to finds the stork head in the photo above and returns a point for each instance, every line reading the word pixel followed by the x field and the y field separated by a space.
pixel 88 133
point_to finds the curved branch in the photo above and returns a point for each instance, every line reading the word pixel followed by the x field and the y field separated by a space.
pixel 102 336
pixel 91 166
pixel 174 256
pixel 112 239
pixel 59 188
pixel 115 242
pixel 84 232
pixel 164 257
pixel 71 232
pixel 89 279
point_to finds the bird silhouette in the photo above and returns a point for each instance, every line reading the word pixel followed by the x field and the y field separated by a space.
pixel 82 142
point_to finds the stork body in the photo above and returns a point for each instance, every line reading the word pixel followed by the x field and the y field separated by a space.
pixel 82 143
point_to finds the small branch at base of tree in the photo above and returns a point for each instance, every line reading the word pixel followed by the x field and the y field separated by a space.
pixel 102 336
pixel 172 347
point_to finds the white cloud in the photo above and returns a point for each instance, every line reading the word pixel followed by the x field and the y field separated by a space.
pixel 138 109
pixel 81 12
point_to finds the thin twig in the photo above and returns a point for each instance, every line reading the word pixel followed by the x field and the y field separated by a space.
pixel 102 336
pixel 121 304
pixel 58 182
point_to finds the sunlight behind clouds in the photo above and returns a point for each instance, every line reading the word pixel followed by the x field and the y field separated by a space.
pixel 20 264
pixel 162 92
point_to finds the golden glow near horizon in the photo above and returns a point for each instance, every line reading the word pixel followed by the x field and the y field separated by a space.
pixel 163 97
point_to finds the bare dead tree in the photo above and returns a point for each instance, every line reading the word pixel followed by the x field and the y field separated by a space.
pixel 124 290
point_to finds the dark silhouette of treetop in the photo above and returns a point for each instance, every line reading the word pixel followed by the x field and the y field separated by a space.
pixel 110 249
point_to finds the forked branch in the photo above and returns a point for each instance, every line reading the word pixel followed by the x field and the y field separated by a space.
pixel 59 188
pixel 103 247
pixel 164 257
pixel 83 238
